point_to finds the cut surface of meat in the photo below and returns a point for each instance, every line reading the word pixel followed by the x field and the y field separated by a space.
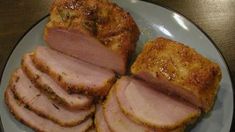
pixel 29 118
pixel 100 123
pixel 179 70
pixel 96 31
pixel 42 105
pixel 144 104
pixel 52 89
pixel 73 75
pixel 85 48
pixel 116 120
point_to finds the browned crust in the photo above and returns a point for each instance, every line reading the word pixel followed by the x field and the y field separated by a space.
pixel 46 89
pixel 109 23
pixel 119 28
pixel 98 91
pixel 191 118
pixel 47 115
pixel 165 59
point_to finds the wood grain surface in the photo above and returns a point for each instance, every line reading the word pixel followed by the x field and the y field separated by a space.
pixel 215 17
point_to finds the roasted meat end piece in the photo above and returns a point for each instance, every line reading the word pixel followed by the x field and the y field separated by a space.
pixel 179 70
pixel 93 29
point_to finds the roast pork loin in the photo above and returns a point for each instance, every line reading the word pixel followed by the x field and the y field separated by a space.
pixel 74 75
pixel 38 102
pixel 38 123
pixel 100 123
pixel 96 31
pixel 146 105
pixel 178 69
pixel 118 121
pixel 52 89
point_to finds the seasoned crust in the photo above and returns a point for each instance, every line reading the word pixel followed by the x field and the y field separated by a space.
pixel 106 21
pixel 182 66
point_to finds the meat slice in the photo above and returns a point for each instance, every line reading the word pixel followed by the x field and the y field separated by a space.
pixel 96 31
pixel 179 70
pixel 73 75
pixel 116 120
pixel 100 123
pixel 52 89
pixel 91 130
pixel 42 105
pixel 146 105
pixel 20 111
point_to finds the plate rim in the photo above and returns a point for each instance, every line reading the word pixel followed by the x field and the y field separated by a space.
pixel 147 2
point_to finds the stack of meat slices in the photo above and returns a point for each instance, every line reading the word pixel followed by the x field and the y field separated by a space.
pixel 52 91
pixel 39 93
pixel 132 105
pixel 171 88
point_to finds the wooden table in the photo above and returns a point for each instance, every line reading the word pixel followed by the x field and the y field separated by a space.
pixel 216 18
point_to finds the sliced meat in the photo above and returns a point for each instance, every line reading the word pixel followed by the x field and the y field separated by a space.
pixel 116 120
pixel 100 123
pixel 179 70
pixel 91 130
pixel 26 116
pixel 42 105
pixel 85 48
pixel 91 30
pixel 52 89
pixel 72 74
pixel 146 105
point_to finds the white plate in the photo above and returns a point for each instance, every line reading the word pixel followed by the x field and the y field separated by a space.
pixel 153 21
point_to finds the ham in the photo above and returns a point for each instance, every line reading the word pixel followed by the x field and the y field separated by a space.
pixel 96 31
pixel 144 104
pixel 100 123
pixel 91 130
pixel 74 75
pixel 52 89
pixel 116 120
pixel 179 70
pixel 26 116
pixel 42 105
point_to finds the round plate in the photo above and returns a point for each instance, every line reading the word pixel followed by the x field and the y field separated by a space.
pixel 153 21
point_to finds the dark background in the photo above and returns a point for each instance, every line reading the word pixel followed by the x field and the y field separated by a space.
pixel 215 17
